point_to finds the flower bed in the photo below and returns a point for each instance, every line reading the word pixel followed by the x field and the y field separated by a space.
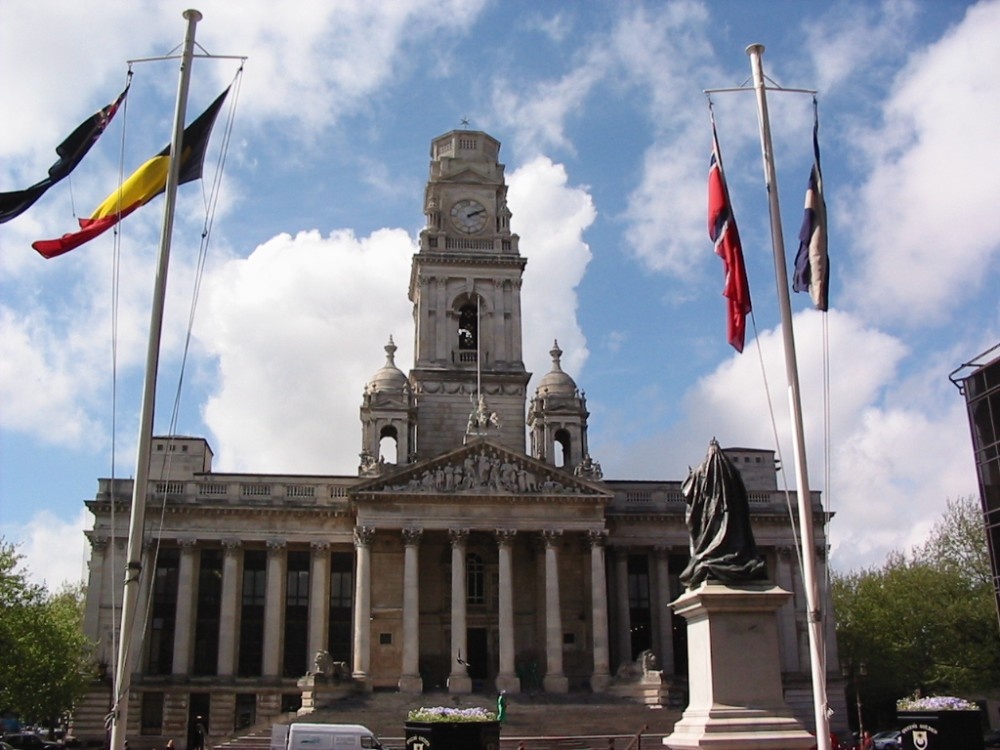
pixel 453 715
pixel 935 703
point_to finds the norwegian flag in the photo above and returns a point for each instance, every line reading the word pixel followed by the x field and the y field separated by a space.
pixel 723 232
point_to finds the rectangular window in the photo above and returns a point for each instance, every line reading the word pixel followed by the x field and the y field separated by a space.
pixel 209 604
pixel 246 710
pixel 163 613
pixel 296 614
pixel 640 615
pixel 152 714
pixel 251 656
pixel 341 606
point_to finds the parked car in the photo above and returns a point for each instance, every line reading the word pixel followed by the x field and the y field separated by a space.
pixel 891 739
pixel 28 741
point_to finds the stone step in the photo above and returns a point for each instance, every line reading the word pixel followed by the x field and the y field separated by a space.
pixel 540 722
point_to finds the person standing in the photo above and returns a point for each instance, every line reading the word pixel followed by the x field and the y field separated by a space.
pixel 199 733
pixel 502 706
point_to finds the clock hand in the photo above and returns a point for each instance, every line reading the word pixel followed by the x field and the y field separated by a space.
pixel 474 213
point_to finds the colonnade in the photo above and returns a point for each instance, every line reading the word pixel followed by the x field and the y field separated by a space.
pixel 459 681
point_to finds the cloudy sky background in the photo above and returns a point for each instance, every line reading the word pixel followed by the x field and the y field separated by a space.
pixel 606 137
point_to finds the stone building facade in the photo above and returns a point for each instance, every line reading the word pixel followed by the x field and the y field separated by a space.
pixel 479 547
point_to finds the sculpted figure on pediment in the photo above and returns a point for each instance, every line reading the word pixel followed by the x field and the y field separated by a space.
pixel 486 469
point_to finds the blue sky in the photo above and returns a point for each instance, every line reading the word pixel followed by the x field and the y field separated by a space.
pixel 606 138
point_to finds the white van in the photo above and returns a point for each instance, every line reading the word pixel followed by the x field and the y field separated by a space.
pixel 304 736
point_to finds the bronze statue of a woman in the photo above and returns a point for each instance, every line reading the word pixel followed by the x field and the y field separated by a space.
pixel 718 519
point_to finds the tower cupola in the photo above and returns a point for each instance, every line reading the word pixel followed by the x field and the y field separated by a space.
pixel 387 417
pixel 557 419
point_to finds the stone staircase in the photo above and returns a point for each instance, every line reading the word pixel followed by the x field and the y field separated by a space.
pixel 541 722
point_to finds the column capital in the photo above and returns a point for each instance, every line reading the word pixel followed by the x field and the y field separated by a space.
pixel 784 553
pixel 276 545
pixel 364 536
pixel 99 542
pixel 320 546
pixel 231 546
pixel 505 537
pixel 551 537
pixel 597 537
pixel 458 537
pixel 187 545
pixel 411 536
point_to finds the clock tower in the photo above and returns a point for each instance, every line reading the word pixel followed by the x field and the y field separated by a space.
pixel 465 286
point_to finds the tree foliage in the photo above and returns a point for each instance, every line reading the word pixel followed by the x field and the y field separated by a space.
pixel 45 664
pixel 926 621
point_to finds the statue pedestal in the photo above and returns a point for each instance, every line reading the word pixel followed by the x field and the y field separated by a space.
pixel 734 673
pixel 319 692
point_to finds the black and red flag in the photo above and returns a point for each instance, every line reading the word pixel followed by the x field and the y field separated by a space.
pixel 147 182
pixel 71 152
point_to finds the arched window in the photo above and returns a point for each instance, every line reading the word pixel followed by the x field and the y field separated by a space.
pixel 468 326
pixel 475 579
pixel 388 445
pixel 562 448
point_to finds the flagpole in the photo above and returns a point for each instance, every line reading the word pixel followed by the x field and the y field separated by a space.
pixel 817 650
pixel 130 638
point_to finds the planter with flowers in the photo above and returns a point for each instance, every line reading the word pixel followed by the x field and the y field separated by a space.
pixel 443 728
pixel 939 722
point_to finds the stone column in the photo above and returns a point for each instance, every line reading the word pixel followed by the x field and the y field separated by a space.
pixel 229 607
pixel 319 598
pixel 666 613
pixel 363 538
pixel 826 605
pixel 187 590
pixel 786 615
pixel 601 677
pixel 95 593
pixel 410 680
pixel 623 618
pixel 555 681
pixel 507 678
pixel 274 604
pixel 444 338
pixel 497 315
pixel 140 651
pixel 458 680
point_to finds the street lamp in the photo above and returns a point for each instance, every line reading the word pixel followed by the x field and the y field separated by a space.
pixel 847 670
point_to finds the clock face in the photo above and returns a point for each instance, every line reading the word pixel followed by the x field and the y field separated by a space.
pixel 469 216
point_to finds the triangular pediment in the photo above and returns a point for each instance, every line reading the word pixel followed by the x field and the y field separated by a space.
pixel 483 468
pixel 474 173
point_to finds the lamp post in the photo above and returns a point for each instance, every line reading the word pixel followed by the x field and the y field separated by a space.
pixel 848 670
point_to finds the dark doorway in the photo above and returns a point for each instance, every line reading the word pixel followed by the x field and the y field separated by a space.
pixel 479 654
pixel 198 717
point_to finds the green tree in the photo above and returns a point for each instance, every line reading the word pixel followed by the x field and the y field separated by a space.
pixel 45 668
pixel 926 621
